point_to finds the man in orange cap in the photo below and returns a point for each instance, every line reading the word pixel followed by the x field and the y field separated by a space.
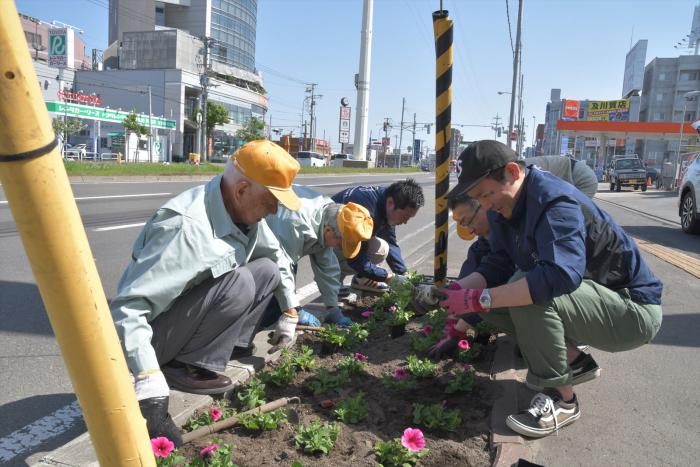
pixel 314 230
pixel 202 272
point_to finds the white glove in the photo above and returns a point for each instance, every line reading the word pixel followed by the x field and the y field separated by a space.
pixel 285 330
pixel 424 294
pixel 398 279
pixel 151 384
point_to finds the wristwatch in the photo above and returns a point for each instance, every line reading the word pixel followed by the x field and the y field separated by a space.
pixel 485 299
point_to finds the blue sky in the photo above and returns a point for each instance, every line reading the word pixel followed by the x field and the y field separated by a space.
pixel 576 45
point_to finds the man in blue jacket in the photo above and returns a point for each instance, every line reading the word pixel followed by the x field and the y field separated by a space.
pixel 388 207
pixel 580 278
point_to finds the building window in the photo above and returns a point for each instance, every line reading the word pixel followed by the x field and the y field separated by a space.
pixel 659 97
pixel 659 116
pixel 688 76
pixel 34 40
pixel 160 16
pixel 662 76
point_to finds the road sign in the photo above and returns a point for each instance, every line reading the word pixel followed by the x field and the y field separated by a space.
pixel 344 137
pixel 105 115
pixel 61 51
pixel 344 125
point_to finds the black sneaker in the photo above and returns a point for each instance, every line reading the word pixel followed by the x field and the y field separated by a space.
pixel 547 413
pixel 583 369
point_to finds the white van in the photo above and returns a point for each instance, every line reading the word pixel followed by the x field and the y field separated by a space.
pixel 311 159
pixel 337 159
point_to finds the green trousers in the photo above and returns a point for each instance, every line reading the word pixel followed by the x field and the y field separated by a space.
pixel 592 314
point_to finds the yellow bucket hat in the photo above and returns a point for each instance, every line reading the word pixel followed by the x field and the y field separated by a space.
pixel 268 164
pixel 355 225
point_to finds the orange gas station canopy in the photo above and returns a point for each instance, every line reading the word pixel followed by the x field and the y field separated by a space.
pixel 635 130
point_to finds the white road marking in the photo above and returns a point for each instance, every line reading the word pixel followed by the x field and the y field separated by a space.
pixel 118 227
pixel 140 195
pixel 41 430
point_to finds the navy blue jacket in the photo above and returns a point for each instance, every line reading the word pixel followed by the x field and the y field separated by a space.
pixel 559 237
pixel 477 251
pixel 374 199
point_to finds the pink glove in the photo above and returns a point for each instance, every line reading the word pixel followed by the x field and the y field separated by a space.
pixel 462 301
pixel 454 286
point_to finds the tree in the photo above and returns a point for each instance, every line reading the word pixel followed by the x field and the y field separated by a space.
pixel 64 127
pixel 216 115
pixel 132 125
pixel 254 129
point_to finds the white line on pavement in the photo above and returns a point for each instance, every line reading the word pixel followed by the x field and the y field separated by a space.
pixel 140 195
pixel 118 227
pixel 36 433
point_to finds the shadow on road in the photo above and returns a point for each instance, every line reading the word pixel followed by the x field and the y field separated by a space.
pixel 680 330
pixel 672 237
pixel 21 309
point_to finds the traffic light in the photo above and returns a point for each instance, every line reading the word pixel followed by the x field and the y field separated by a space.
pixel 498 131
pixel 386 125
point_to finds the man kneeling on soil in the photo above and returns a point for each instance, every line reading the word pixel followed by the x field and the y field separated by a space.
pixel 202 272
pixel 580 279
pixel 314 230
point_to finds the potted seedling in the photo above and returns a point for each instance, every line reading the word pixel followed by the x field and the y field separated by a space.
pixel 397 318
pixel 264 421
pixel 219 410
pixel 404 452
pixel 326 381
pixel 334 339
pixel 436 417
pixel 352 410
pixel 421 368
pixel 399 380
pixel 461 381
pixel 215 455
pixel 484 331
pixel 316 437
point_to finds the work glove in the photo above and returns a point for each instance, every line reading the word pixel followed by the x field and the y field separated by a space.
pixel 425 299
pixel 284 330
pixel 336 316
pixel 152 392
pixel 307 319
pixel 449 341
pixel 462 301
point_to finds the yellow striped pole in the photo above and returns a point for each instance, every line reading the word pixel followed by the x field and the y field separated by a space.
pixel 442 27
pixel 39 194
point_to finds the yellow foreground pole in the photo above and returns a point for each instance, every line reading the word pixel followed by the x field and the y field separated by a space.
pixel 442 27
pixel 39 194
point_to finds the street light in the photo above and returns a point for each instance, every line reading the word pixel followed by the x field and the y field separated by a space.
pixel 500 93
pixel 688 96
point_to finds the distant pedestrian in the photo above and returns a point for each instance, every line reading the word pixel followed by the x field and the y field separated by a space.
pixel 202 272
pixel 388 206
pixel 560 272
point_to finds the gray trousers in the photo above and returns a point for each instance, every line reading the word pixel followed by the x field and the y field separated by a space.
pixel 203 326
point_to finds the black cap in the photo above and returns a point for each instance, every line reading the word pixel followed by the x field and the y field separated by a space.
pixel 477 161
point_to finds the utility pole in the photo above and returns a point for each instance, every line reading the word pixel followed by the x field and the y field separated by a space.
pixel 150 127
pixel 204 81
pixel 386 136
pixel 521 128
pixel 413 139
pixel 534 136
pixel 516 72
pixel 362 83
pixel 496 121
pixel 403 107
pixel 312 124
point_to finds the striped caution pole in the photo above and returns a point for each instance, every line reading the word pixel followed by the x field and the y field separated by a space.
pixel 442 27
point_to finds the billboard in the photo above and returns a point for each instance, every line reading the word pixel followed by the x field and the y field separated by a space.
pixel 105 115
pixel 634 68
pixel 570 109
pixel 609 111
pixel 61 48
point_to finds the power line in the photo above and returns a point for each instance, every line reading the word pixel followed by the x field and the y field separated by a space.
pixel 510 33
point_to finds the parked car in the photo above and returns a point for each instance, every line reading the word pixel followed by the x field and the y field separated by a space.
pixel 79 151
pixel 688 193
pixel 311 159
pixel 627 171
pixel 337 159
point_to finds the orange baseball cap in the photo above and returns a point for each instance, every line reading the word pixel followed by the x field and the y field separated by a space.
pixel 268 164
pixel 355 225
pixel 465 233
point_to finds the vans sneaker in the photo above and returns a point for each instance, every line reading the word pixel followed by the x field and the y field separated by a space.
pixel 583 369
pixel 547 413
pixel 368 285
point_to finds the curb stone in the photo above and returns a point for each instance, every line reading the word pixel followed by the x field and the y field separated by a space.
pixel 507 445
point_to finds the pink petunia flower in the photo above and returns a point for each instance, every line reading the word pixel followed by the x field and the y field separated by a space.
pixel 463 344
pixel 215 413
pixel 367 313
pixel 468 367
pixel 209 450
pixel 162 446
pixel 392 309
pixel 361 358
pixel 400 374
pixel 413 439
pixel 427 329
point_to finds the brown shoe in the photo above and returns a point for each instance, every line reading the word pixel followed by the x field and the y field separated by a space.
pixel 196 380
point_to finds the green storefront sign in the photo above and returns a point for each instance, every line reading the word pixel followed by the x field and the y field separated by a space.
pixel 105 115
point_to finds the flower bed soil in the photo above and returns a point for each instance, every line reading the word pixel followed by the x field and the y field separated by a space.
pixel 390 411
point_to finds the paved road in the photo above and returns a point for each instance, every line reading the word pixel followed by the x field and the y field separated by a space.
pixel 642 411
